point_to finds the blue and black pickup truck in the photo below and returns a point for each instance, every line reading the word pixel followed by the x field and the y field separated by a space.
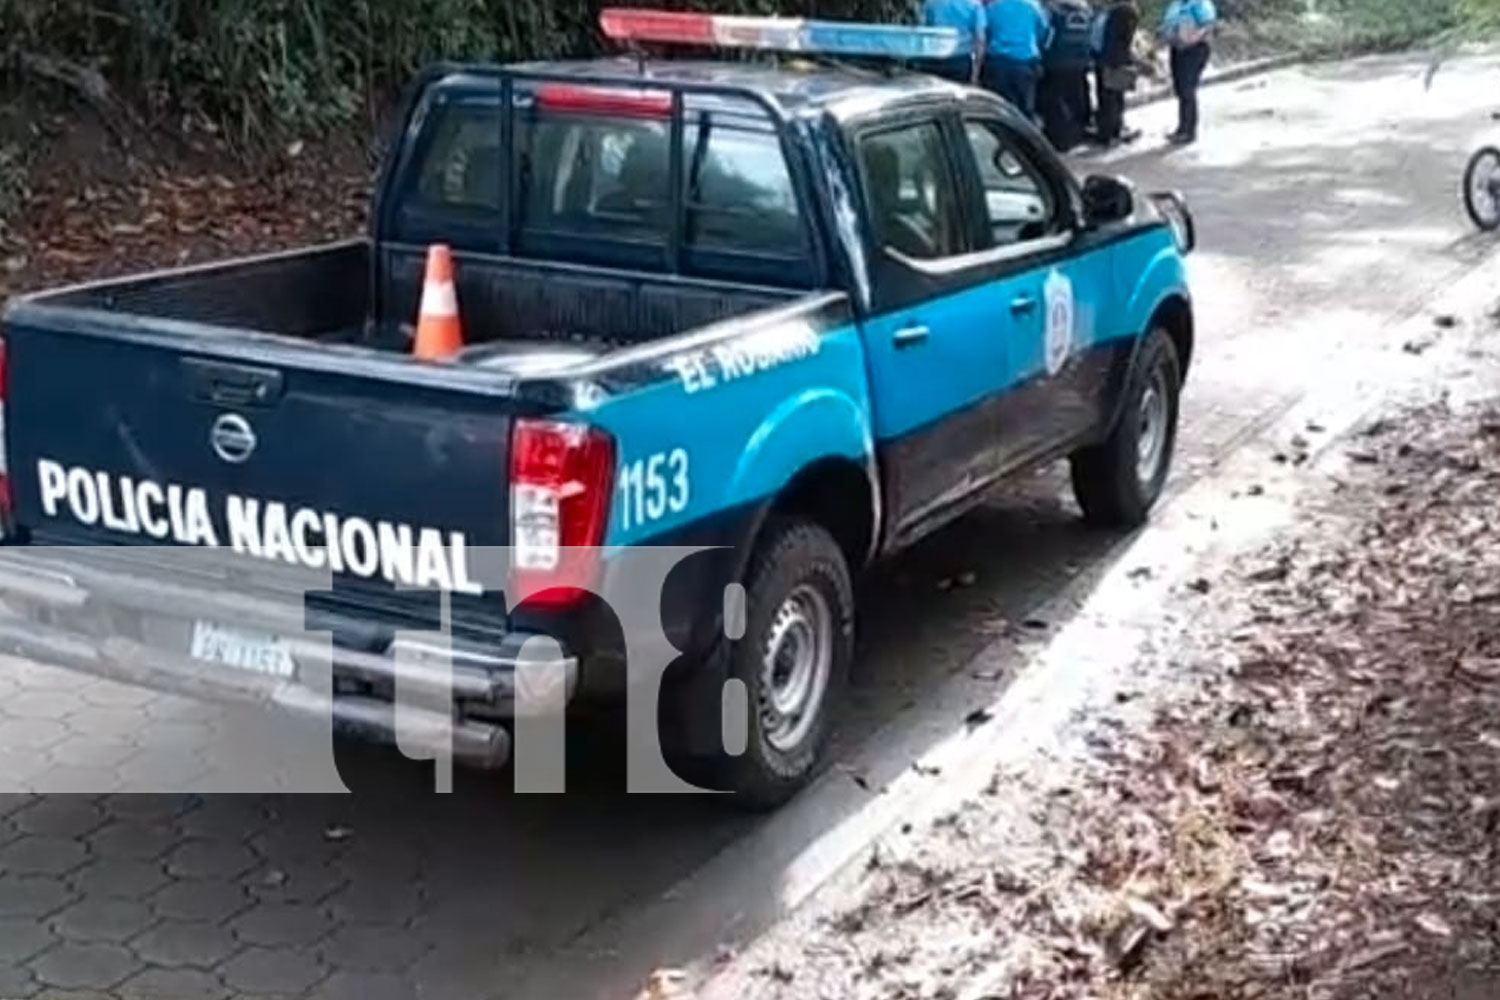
pixel 798 313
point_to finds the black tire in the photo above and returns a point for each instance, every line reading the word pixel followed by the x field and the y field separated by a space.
pixel 1479 176
pixel 800 560
pixel 1108 478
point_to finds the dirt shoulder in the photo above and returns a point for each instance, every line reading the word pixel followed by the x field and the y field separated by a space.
pixel 1307 808
pixel 1319 820
pixel 90 208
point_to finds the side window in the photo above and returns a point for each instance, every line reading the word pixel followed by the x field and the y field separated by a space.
pixel 912 196
pixel 740 197
pixel 1018 201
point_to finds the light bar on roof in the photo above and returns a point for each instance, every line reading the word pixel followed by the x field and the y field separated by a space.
pixel 779 34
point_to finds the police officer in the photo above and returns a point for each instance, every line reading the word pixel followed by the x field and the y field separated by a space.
pixel 1186 26
pixel 1018 33
pixel 968 19
pixel 1063 97
pixel 1114 68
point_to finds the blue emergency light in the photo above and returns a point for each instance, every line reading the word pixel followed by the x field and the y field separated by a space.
pixel 780 34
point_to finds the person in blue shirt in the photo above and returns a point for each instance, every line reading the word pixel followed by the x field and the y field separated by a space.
pixel 967 18
pixel 1186 26
pixel 1019 31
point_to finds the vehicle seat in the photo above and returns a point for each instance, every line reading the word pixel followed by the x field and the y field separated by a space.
pixel 481 182
pixel 893 224
pixel 643 176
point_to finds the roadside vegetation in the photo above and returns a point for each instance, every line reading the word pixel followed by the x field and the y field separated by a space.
pixel 259 71
pixel 108 91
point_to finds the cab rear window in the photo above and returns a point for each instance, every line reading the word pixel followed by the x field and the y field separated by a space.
pixel 462 167
pixel 594 178
pixel 594 187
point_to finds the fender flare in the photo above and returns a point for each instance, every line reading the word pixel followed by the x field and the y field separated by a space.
pixel 805 431
pixel 1175 298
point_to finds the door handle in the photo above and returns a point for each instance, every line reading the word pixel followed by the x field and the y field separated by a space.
pixel 910 336
pixel 1022 304
pixel 224 384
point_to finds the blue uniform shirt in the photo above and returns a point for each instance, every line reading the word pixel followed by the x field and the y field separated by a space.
pixel 1197 13
pixel 965 16
pixel 1019 29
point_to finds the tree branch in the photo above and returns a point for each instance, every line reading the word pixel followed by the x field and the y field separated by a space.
pixel 88 83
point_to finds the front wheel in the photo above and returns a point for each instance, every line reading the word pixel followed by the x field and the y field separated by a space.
pixel 1482 188
pixel 1119 481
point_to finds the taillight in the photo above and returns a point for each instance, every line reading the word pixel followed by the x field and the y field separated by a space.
pixel 7 503
pixel 561 479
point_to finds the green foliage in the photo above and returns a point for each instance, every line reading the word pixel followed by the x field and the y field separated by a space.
pixel 1378 24
pixel 262 70
pixel 1479 17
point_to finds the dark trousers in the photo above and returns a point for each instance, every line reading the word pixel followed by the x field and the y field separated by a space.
pixel 1064 104
pixel 1015 80
pixel 1188 65
pixel 959 69
pixel 1110 119
pixel 1078 99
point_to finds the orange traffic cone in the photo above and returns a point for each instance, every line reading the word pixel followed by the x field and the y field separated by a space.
pixel 439 334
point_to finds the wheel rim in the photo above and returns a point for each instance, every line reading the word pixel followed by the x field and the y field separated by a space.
pixel 1484 188
pixel 1151 441
pixel 796 664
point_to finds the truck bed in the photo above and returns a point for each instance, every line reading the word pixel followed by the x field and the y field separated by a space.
pixel 284 382
pixel 520 316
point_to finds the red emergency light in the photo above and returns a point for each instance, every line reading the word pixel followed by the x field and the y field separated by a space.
pixel 628 24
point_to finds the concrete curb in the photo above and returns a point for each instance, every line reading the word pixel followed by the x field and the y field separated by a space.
pixel 1229 74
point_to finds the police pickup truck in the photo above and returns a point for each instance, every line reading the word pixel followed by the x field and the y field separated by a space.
pixel 792 312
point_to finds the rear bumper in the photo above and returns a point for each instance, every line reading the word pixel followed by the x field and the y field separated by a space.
pixel 455 694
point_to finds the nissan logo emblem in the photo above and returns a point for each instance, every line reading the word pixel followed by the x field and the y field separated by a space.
pixel 233 438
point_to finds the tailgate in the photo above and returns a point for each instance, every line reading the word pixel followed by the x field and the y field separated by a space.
pixel 272 452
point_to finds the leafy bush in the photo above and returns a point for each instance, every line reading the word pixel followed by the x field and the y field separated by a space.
pixel 263 69
pixel 1479 17
pixel 1390 23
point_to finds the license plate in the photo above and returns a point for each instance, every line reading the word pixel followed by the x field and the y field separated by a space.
pixel 243 649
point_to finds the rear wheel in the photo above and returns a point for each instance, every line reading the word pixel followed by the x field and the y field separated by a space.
pixel 793 660
pixel 1119 481
pixel 1482 188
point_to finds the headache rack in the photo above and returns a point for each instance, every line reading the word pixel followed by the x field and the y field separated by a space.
pixel 801 37
pixel 622 93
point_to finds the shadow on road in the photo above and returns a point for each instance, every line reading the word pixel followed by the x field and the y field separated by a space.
pixel 504 878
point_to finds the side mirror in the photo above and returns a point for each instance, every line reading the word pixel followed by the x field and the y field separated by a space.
pixel 1106 199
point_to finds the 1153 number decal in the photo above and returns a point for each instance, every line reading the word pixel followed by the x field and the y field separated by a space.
pixel 651 488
